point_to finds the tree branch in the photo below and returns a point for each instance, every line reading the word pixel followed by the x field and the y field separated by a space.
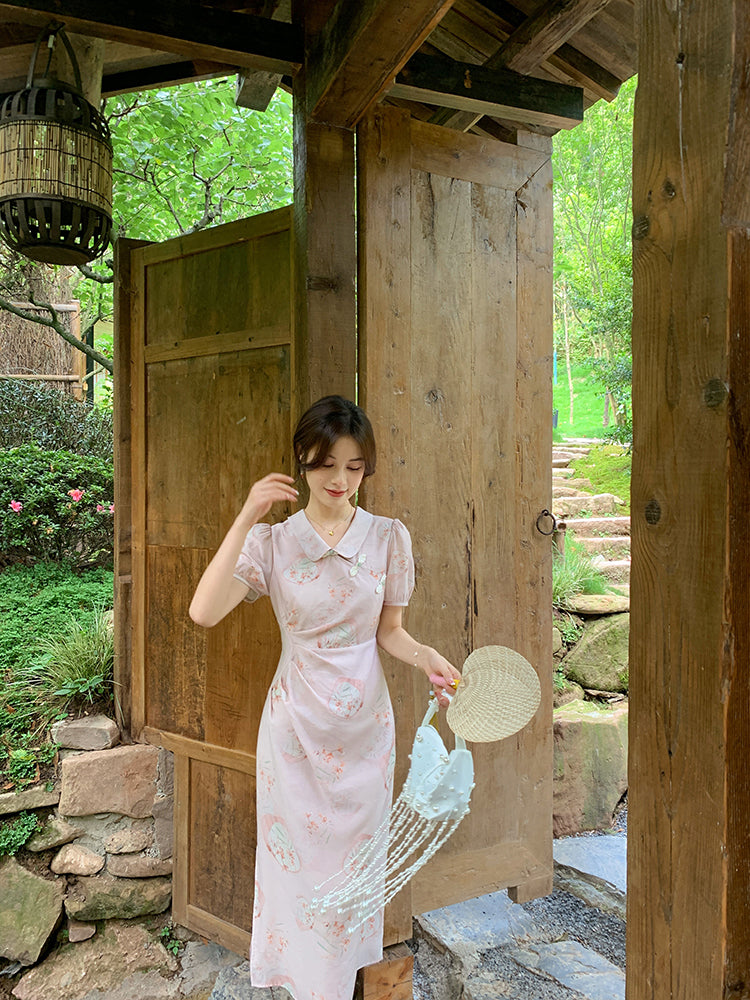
pixel 54 324
pixel 103 279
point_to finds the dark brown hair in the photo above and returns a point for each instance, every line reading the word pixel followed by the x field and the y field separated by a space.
pixel 326 421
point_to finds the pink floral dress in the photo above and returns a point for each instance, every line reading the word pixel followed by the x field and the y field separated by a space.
pixel 326 741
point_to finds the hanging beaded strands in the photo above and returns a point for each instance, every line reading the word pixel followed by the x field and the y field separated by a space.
pixel 498 694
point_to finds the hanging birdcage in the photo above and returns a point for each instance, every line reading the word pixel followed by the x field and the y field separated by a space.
pixel 55 169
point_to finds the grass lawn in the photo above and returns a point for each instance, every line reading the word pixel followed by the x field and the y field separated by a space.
pixel 588 403
pixel 607 467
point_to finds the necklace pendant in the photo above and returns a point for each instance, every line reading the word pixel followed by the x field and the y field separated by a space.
pixel 331 533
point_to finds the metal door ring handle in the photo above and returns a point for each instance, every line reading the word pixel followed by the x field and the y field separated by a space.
pixel 540 529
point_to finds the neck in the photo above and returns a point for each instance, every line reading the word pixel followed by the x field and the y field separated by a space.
pixel 329 514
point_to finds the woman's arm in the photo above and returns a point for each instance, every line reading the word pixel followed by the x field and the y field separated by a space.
pixel 218 592
pixel 394 639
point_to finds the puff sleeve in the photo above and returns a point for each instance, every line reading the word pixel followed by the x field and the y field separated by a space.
pixel 255 562
pixel 399 581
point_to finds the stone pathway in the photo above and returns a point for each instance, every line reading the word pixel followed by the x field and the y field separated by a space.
pixel 566 946
pixel 592 518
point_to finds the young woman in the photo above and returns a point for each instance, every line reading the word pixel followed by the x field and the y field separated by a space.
pixel 339 578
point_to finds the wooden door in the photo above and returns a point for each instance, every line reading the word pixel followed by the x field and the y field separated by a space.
pixel 455 346
pixel 211 362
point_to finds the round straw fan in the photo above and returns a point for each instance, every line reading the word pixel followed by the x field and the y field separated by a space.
pixel 498 694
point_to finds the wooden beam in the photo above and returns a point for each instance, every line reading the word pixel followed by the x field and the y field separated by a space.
pixel 164 75
pixel 688 904
pixel 173 26
pixel 255 90
pixel 482 91
pixel 534 41
pixel 359 50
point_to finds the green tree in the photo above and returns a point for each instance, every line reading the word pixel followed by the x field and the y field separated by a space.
pixel 185 158
pixel 592 270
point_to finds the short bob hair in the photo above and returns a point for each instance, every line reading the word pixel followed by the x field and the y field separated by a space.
pixel 326 421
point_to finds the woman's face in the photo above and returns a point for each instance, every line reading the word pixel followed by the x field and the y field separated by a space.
pixel 336 481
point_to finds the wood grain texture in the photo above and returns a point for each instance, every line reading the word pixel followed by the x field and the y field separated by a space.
pixel 682 678
pixel 458 397
pixel 324 261
pixel 359 50
pixel 390 979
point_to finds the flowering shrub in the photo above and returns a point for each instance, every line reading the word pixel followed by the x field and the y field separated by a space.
pixel 34 414
pixel 55 505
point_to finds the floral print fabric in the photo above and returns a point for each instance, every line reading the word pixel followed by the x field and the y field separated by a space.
pixel 326 741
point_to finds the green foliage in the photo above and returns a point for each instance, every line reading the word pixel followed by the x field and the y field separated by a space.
pixel 607 467
pixel 616 375
pixel 23 760
pixel 38 601
pixel 570 628
pixel 170 942
pixel 14 833
pixel 32 414
pixel 592 264
pixel 574 573
pixel 55 505
pixel 588 402
pixel 75 664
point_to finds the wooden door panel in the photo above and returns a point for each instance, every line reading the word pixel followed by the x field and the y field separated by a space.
pixel 212 358
pixel 455 374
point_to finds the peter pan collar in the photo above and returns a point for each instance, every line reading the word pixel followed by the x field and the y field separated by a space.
pixel 313 545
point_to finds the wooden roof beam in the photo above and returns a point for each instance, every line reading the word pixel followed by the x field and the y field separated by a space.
pixel 535 40
pixel 187 28
pixel 481 91
pixel 355 56
pixel 162 75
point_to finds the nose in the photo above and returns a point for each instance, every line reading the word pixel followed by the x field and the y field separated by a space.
pixel 339 478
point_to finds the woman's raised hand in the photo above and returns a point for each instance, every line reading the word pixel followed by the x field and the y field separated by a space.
pixel 276 487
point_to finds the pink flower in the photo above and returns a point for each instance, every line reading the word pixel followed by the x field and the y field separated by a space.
pixel 111 508
pixel 16 506
pixel 75 494
pixel 99 508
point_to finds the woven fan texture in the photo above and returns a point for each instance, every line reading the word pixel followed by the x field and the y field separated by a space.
pixel 498 694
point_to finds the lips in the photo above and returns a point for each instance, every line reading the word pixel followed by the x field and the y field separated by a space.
pixel 336 493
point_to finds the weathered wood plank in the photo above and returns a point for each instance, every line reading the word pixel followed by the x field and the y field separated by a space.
pixel 123 475
pixel 499 93
pixel 359 50
pixel 210 753
pixel 219 343
pixel 325 262
pixel 390 979
pixel 736 201
pixel 255 90
pixel 473 159
pixel 164 74
pixel 682 917
pixel 181 849
pixel 384 360
pixel 194 30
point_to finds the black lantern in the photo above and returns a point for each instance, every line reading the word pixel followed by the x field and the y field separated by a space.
pixel 55 169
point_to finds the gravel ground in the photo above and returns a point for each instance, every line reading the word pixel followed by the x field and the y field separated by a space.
pixel 565 916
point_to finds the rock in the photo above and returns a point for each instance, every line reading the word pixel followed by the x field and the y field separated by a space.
pixel 93 732
pixel 97 830
pixel 590 766
pixel 109 781
pixel 30 912
pixel 138 866
pixel 202 964
pixel 102 897
pixel 165 773
pixel 599 503
pixel 600 657
pixel 163 812
pixel 557 642
pixel 570 691
pixel 54 833
pixel 80 931
pixel 31 798
pixel 72 859
pixel 599 604
pixel 121 956
pixel 128 841
pixel 571 964
pixel 234 984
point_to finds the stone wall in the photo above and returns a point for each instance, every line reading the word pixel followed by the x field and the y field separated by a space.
pixel 104 847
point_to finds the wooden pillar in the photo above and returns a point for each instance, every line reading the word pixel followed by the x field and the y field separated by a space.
pixel 325 261
pixel 689 808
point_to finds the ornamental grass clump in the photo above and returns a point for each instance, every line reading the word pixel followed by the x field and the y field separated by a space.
pixel 574 573
pixel 75 666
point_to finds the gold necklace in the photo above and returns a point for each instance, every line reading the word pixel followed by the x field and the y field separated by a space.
pixel 330 531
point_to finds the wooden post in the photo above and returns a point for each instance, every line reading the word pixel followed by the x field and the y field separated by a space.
pixel 689 816
pixel 325 257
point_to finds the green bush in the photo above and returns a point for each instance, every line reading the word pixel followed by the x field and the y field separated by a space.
pixel 55 505
pixel 32 414
pixel 76 664
pixel 574 573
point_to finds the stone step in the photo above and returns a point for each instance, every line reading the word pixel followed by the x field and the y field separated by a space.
pixel 609 546
pixel 615 570
pixel 561 463
pixel 596 504
pixel 575 449
pixel 563 472
pixel 565 491
pixel 617 525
